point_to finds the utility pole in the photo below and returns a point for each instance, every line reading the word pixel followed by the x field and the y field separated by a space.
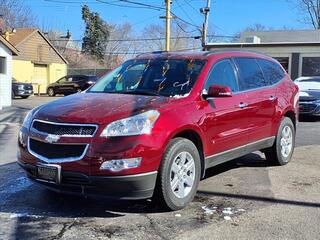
pixel 205 11
pixel 168 24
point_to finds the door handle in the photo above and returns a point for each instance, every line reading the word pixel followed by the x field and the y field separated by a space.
pixel 243 105
pixel 272 98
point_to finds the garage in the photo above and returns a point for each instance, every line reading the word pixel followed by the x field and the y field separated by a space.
pixel 40 81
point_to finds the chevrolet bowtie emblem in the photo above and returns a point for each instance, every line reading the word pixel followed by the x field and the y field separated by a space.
pixel 52 138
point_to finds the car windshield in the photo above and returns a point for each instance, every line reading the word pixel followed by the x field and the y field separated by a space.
pixel 165 77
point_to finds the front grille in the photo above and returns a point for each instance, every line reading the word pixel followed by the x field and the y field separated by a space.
pixel 306 108
pixel 75 179
pixel 56 151
pixel 64 129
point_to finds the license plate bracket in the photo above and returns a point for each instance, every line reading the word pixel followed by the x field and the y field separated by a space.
pixel 50 173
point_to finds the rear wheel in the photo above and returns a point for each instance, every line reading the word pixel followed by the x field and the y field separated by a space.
pixel 51 92
pixel 179 174
pixel 281 151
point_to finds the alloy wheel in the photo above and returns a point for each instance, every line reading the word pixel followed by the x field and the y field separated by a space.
pixel 182 174
pixel 286 141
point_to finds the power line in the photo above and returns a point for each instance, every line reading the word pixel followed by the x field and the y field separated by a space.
pixel 185 12
pixel 131 3
pixel 142 52
pixel 149 39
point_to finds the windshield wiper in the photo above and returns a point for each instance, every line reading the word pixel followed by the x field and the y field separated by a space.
pixel 141 92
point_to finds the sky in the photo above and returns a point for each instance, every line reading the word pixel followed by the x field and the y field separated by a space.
pixel 226 17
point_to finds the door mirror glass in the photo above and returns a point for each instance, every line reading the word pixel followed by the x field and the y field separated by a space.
pixel 218 91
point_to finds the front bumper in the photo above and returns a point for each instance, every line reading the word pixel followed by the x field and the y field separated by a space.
pixel 137 186
pixel 24 93
pixel 309 109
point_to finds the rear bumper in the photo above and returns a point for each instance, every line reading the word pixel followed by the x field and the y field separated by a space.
pixel 137 186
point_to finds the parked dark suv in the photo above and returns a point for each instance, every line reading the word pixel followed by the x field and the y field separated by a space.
pixel 20 89
pixel 71 84
pixel 152 126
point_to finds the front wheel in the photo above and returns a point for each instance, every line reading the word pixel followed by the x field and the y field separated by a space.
pixel 51 92
pixel 179 174
pixel 281 151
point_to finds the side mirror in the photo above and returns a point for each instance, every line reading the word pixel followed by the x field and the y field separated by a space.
pixel 218 91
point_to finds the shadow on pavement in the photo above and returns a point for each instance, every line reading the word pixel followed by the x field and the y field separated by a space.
pixel 309 118
pixel 261 199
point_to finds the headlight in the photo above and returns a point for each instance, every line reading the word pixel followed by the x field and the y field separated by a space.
pixel 28 119
pixel 135 125
pixel 20 87
pixel 90 82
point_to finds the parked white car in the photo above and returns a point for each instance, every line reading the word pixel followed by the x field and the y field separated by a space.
pixel 308 83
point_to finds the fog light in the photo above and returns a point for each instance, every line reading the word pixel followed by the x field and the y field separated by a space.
pixel 121 164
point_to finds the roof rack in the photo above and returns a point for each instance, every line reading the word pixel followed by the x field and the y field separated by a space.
pixel 154 52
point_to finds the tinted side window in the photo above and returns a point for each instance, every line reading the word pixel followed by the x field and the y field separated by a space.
pixel 273 73
pixel 223 74
pixel 251 75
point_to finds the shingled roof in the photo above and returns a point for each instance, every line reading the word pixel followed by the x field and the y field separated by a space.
pixel 22 34
pixel 9 45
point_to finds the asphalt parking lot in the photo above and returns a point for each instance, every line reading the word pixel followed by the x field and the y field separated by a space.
pixel 243 199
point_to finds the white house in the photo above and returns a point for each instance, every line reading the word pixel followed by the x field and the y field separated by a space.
pixel 6 52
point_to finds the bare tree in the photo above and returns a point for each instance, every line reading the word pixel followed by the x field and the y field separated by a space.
pixel 309 11
pixel 118 48
pixel 180 37
pixel 16 14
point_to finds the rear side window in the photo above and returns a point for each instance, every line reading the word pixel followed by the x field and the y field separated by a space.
pixel 223 74
pixel 251 75
pixel 272 72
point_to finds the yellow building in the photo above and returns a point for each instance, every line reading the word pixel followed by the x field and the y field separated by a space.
pixel 38 62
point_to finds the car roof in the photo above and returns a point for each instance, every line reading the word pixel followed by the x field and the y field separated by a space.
pixel 201 55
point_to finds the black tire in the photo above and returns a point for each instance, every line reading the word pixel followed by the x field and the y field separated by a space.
pixel 51 92
pixel 163 192
pixel 24 97
pixel 274 154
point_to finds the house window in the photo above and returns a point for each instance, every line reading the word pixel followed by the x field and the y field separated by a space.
pixel 2 65
pixel 311 66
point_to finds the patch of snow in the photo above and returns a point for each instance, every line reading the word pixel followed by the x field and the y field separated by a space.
pixel 240 210
pixel 209 211
pixel 178 215
pixel 23 214
pixel 180 96
pixel 227 211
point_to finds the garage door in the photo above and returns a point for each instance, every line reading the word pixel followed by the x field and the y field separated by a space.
pixel 40 78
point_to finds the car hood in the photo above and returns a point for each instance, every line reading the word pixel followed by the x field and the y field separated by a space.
pixel 98 108
pixel 306 86
pixel 21 83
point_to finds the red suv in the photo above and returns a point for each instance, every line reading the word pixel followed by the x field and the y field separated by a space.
pixel 153 125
